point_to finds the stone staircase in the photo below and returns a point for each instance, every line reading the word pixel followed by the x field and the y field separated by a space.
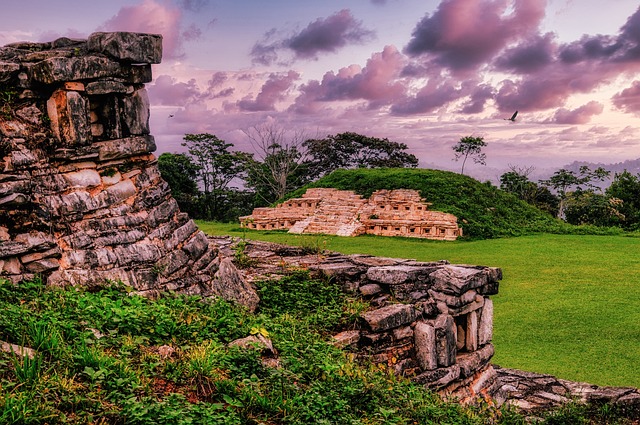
pixel 300 226
pixel 335 215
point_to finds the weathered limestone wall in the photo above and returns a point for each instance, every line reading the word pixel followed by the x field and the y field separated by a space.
pixel 81 197
pixel 399 212
pixel 429 321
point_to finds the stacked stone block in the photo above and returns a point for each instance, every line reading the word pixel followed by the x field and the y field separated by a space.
pixel 433 321
pixel 81 197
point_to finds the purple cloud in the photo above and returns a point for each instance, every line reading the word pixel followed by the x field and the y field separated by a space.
pixel 324 35
pixel 462 35
pixel 437 93
pixel 272 91
pixel 152 17
pixel 192 32
pixel 265 52
pixel 328 35
pixel 533 93
pixel 623 48
pixel 217 79
pixel 378 83
pixel 478 98
pixel 193 5
pixel 167 91
pixel 581 115
pixel 528 57
pixel 628 99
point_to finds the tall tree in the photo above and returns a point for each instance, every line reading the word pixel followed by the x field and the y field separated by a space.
pixel 626 187
pixel 352 150
pixel 517 182
pixel 217 168
pixel 563 180
pixel 179 172
pixel 278 164
pixel 470 146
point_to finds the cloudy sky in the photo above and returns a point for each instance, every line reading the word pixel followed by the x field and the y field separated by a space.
pixel 420 72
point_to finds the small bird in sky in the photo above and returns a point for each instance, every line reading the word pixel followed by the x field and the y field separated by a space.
pixel 513 117
pixel 171 116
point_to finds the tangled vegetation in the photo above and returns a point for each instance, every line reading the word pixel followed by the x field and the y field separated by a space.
pixel 105 356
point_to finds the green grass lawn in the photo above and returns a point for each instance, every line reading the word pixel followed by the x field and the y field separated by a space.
pixel 568 305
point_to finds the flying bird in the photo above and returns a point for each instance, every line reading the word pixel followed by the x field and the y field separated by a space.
pixel 513 117
pixel 171 116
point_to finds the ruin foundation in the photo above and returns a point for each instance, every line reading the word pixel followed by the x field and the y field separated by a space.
pixel 400 212
pixel 429 321
pixel 81 197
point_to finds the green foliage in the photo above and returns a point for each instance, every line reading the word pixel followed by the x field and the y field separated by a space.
pixel 8 97
pixel 278 166
pixel 119 376
pixel 470 146
pixel 215 167
pixel 240 257
pixel 352 150
pixel 585 207
pixel 517 182
pixel 626 187
pixel 181 174
pixel 483 210
pixel 116 374
pixel 563 180
pixel 297 294
pixel 581 414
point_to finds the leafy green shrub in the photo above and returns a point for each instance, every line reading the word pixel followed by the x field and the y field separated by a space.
pixel 319 301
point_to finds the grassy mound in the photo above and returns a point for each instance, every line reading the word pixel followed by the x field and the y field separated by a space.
pixel 483 210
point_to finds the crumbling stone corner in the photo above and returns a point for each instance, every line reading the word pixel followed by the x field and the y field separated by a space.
pixel 81 197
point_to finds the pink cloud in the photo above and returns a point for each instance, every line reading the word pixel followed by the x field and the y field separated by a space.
pixel 378 83
pixel 272 91
pixel 152 17
pixel 528 57
pixel 438 92
pixel 628 99
pixel 462 34
pixel 324 35
pixel 478 98
pixel 166 90
pixel 581 115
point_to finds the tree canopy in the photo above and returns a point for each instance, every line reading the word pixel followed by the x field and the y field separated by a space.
pixel 563 180
pixel 470 146
pixel 352 150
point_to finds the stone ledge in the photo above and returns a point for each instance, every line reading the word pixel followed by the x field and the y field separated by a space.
pixel 533 392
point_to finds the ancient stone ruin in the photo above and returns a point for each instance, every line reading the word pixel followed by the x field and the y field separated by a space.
pixel 429 321
pixel 81 197
pixel 433 323
pixel 399 212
